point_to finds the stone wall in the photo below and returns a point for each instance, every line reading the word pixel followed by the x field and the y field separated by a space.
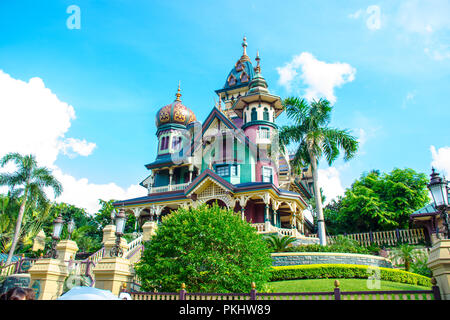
pixel 302 258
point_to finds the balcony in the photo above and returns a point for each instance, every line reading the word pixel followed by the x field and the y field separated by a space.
pixel 263 136
pixel 173 187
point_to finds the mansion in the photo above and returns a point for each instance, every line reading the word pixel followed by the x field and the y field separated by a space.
pixel 232 158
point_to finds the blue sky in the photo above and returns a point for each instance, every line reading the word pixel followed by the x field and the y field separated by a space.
pixel 385 64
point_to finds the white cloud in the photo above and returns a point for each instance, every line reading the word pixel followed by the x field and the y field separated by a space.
pixel 35 121
pixel 81 147
pixel 424 16
pixel 441 159
pixel 321 78
pixel 330 182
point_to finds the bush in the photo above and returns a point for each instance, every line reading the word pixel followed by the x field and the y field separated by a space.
pixel 340 244
pixel 209 249
pixel 347 271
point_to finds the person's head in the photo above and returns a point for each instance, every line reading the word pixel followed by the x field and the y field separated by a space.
pixel 16 293
pixel 30 293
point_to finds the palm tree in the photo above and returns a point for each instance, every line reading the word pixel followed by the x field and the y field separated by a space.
pixel 405 253
pixel 279 244
pixel 315 140
pixel 27 182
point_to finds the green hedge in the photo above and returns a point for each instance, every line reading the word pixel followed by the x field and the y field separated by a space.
pixel 347 271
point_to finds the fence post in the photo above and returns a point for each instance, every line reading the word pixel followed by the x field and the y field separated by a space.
pixel 183 292
pixel 253 292
pixel 435 289
pixel 123 288
pixel 337 291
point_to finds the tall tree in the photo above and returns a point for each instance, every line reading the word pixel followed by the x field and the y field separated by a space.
pixel 378 201
pixel 315 140
pixel 28 182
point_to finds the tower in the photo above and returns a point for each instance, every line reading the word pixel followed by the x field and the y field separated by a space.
pixel 237 82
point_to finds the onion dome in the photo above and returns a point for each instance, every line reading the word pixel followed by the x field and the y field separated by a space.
pixel 175 113
pixel 242 73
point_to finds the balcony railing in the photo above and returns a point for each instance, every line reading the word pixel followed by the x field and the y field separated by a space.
pixel 173 187
pixel 263 135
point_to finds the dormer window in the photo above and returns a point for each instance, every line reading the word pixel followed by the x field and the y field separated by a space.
pixel 244 77
pixel 239 66
pixel 231 80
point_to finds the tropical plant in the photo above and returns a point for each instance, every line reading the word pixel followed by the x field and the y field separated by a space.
pixel 315 140
pixel 405 253
pixel 420 266
pixel 279 244
pixel 28 183
pixel 210 249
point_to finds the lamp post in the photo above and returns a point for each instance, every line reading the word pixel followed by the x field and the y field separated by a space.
pixel 439 190
pixel 120 220
pixel 57 228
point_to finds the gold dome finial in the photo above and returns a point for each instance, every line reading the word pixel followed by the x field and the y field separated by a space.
pixel 178 95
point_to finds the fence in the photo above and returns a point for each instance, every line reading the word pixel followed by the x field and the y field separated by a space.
pixel 337 294
pixel 390 238
pixel 20 266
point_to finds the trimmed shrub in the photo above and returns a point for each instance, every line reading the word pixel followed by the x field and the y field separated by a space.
pixel 347 271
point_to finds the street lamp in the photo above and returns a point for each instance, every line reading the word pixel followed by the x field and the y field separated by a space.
pixel 120 226
pixel 57 228
pixel 70 227
pixel 439 190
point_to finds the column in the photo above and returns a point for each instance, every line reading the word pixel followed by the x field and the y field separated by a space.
pixel 266 218
pixel 111 273
pixel 191 170
pixel 275 218
pixel 170 178
pixel 439 263
pixel 242 214
pixel 149 230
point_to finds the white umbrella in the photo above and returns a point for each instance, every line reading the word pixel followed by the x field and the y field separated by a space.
pixel 88 293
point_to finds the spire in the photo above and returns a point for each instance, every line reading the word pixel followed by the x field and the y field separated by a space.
pixel 258 67
pixel 245 57
pixel 178 94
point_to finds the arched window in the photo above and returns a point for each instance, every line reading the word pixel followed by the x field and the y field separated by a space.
pixel 266 114
pixel 245 117
pixel 254 114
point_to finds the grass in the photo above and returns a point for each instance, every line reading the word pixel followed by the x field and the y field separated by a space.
pixel 327 285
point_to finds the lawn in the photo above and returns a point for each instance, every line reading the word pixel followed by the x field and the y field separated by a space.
pixel 327 285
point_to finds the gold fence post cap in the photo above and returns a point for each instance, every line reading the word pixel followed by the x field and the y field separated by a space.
pixel 183 286
pixel 124 285
pixel 253 286
pixel 336 283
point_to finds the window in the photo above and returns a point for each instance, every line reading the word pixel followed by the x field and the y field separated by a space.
pixel 266 174
pixel 176 143
pixel 254 114
pixel 234 170
pixel 266 114
pixel 164 143
pixel 223 171
pixel 264 133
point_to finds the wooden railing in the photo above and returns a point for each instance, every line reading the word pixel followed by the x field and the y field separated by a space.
pixel 337 294
pixel 389 238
